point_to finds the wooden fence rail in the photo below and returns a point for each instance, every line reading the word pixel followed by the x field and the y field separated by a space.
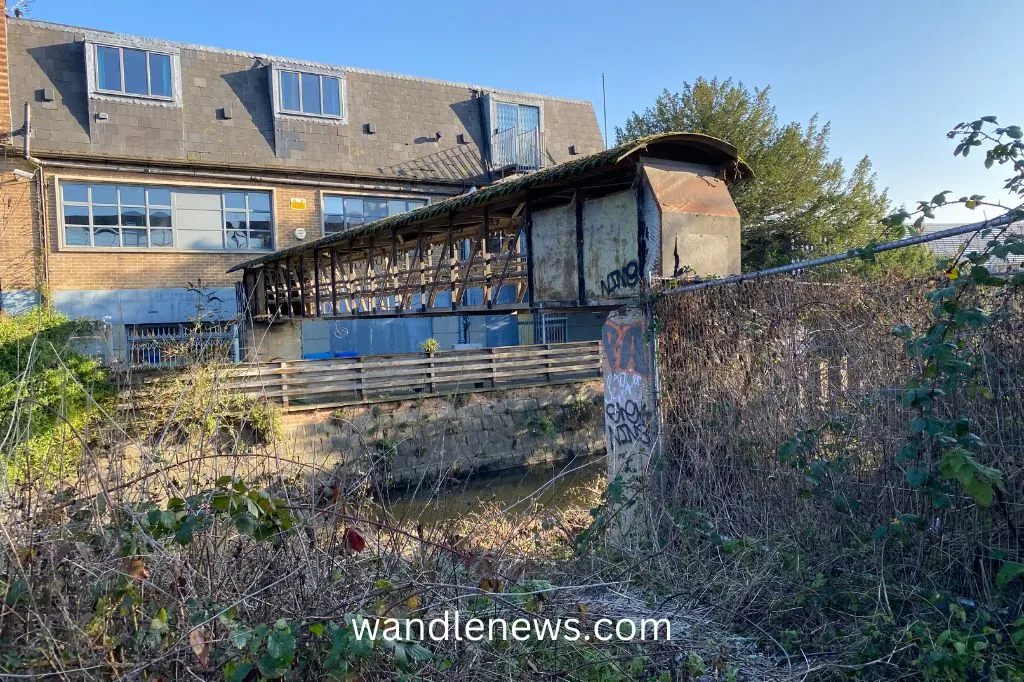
pixel 316 384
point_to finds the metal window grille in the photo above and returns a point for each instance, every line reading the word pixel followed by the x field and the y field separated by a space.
pixel 177 344
pixel 544 328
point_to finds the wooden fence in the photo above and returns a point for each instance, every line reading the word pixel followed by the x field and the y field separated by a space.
pixel 315 384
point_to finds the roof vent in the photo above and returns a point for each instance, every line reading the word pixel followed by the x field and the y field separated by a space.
pixel 225 113
pixel 572 150
pixel 369 128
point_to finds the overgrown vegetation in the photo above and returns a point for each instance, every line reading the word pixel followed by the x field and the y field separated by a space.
pixel 843 475
pixel 48 394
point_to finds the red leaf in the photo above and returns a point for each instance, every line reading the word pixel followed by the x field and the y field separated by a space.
pixel 354 540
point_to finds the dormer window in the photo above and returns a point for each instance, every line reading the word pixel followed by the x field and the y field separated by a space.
pixel 137 69
pixel 126 71
pixel 307 93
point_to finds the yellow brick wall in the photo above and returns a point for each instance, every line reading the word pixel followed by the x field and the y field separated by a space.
pixel 83 268
pixel 20 265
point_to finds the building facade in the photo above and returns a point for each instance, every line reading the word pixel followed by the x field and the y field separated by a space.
pixel 138 171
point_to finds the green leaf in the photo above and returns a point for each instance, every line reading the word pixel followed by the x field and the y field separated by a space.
pixel 188 527
pixel 280 652
pixel 237 672
pixel 1014 132
pixel 1009 571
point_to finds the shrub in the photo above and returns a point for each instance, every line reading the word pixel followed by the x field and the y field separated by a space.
pixel 47 390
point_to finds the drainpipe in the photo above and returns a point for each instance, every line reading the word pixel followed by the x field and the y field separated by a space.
pixel 44 287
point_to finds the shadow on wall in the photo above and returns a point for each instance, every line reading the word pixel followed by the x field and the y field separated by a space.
pixel 252 88
pixel 57 61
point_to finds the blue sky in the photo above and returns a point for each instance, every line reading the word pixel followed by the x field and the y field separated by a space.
pixel 892 76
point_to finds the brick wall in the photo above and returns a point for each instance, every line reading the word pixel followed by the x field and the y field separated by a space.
pixel 5 84
pixel 20 265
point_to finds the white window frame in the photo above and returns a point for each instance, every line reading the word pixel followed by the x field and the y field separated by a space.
pixel 173 247
pixel 278 93
pixel 93 77
pixel 494 99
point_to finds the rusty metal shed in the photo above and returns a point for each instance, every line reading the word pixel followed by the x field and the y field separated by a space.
pixel 580 235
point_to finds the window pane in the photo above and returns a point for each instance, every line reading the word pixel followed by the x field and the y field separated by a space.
pixel 334 205
pixel 234 221
pixel 259 201
pixel 133 196
pixel 375 208
pixel 334 223
pixel 353 222
pixel 310 93
pixel 160 237
pixel 104 194
pixel 396 206
pixel 234 200
pixel 159 196
pixel 260 240
pixel 259 220
pixel 76 236
pixel 160 74
pixel 417 203
pixel 106 237
pixel 200 239
pixel 289 91
pixel 237 239
pixel 72 191
pixel 108 68
pixel 104 215
pixel 159 217
pixel 332 96
pixel 135 80
pixel 76 215
pixel 353 206
pixel 133 217
pixel 135 238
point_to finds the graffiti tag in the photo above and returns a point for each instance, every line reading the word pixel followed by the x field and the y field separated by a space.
pixel 624 347
pixel 628 423
pixel 625 277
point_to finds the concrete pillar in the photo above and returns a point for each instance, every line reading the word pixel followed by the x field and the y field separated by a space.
pixel 630 412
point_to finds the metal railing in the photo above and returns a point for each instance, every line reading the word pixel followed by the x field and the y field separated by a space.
pixel 516 150
pixel 544 329
pixel 177 344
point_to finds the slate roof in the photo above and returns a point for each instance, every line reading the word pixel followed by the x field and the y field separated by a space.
pixel 407 112
pixel 690 147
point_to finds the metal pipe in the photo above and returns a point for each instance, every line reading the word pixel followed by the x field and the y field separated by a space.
pixel 1002 221
pixel 241 177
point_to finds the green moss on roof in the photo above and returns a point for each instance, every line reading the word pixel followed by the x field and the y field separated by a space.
pixel 694 142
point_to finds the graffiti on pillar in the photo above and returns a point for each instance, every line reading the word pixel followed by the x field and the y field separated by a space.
pixel 628 414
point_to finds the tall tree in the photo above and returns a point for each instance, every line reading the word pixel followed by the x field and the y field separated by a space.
pixel 801 203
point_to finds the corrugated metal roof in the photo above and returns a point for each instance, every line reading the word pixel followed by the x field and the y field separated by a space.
pixel 672 146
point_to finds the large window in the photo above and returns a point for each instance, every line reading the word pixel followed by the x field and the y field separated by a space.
pixel 136 216
pixel 310 94
pixel 128 71
pixel 341 213
pixel 516 136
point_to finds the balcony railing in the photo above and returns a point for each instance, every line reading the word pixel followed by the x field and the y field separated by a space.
pixel 516 151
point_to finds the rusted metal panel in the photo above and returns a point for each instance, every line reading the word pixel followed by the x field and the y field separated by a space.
pixel 700 226
pixel 688 188
pixel 611 267
pixel 554 255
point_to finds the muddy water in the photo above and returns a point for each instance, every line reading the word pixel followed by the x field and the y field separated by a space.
pixel 534 490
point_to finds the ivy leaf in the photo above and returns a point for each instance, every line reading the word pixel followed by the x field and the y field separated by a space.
pixel 1009 571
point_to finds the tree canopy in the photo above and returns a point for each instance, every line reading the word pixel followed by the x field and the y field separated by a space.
pixel 801 203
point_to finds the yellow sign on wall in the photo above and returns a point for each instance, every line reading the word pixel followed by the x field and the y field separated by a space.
pixel 298 204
